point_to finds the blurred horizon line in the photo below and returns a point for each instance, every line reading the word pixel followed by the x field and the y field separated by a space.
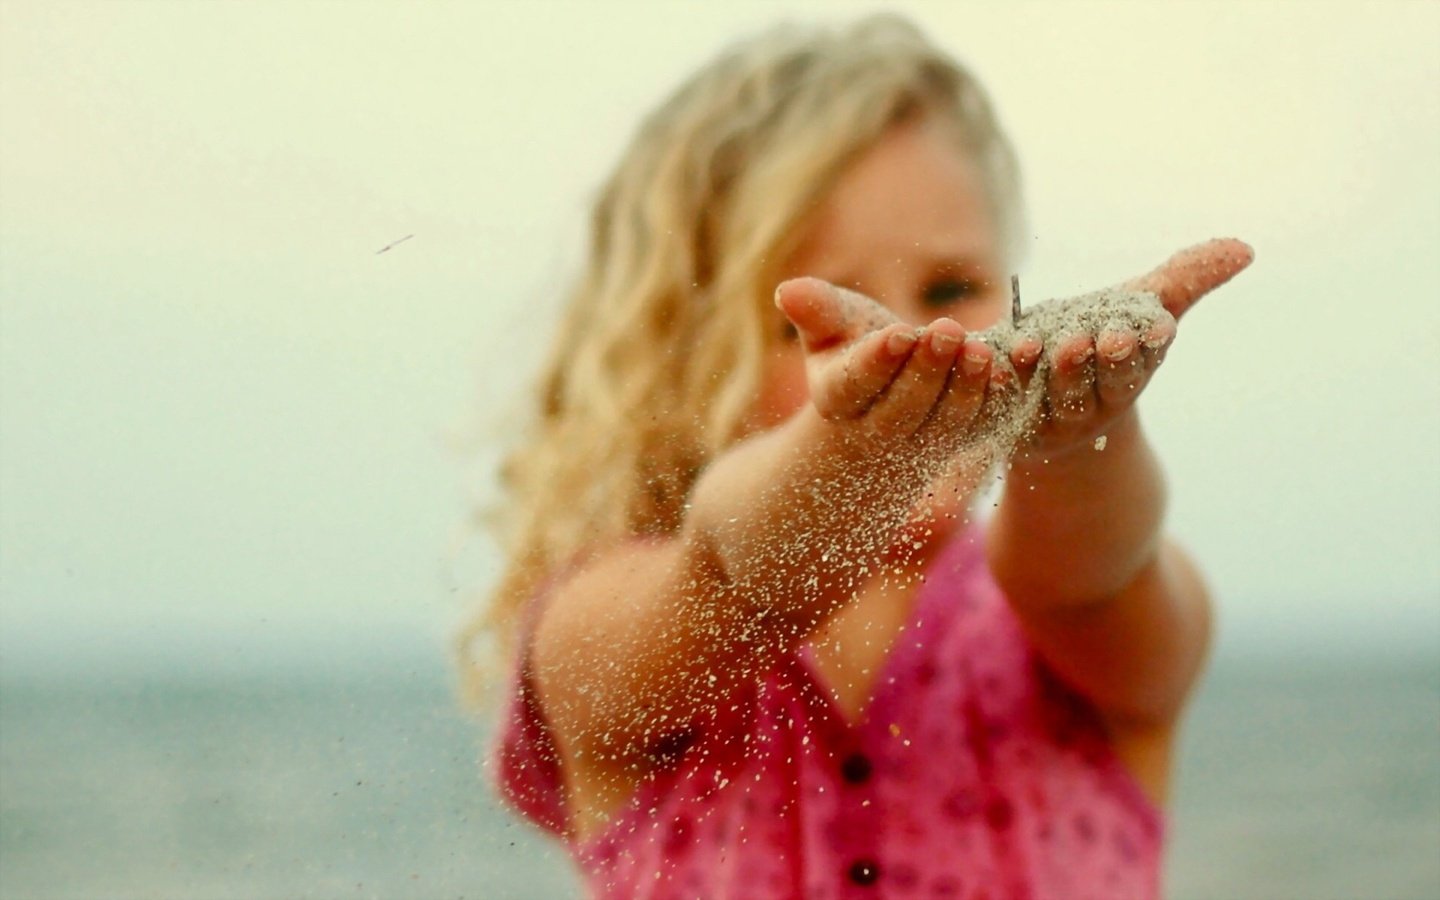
pixel 290 646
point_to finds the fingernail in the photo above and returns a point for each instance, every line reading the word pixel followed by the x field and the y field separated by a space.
pixel 1155 341
pixel 941 342
pixel 1118 353
pixel 974 363
pixel 899 342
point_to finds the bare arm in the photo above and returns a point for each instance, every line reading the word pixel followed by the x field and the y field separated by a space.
pixel 640 644
pixel 1077 544
pixel 642 639
pixel 1116 609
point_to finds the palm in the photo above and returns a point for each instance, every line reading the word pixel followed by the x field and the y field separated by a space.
pixel 1092 379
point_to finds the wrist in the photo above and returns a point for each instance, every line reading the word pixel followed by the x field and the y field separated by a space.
pixel 1117 439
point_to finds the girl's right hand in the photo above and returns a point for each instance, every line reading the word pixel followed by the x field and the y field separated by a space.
pixel 884 380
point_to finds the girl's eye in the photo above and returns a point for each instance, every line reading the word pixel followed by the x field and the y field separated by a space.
pixel 949 290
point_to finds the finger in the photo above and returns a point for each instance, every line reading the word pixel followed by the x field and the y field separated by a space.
pixel 1071 390
pixel 867 371
pixel 1120 370
pixel 1194 272
pixel 912 395
pixel 1157 341
pixel 826 315
pixel 1025 356
pixel 965 392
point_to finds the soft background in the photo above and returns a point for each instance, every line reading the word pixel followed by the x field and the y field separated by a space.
pixel 233 481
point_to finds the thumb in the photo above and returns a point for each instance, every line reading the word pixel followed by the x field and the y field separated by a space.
pixel 1194 272
pixel 826 315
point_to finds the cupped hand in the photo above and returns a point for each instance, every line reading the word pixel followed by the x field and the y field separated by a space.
pixel 1094 379
pixel 881 378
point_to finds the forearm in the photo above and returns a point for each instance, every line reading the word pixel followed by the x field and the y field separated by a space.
pixel 1079 528
pixel 798 516
pixel 642 642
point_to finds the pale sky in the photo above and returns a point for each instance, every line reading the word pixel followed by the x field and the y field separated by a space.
pixel 224 415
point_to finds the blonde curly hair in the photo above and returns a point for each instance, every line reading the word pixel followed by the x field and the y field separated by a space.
pixel 660 352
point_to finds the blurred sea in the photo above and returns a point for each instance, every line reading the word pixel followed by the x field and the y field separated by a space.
pixel 1299 780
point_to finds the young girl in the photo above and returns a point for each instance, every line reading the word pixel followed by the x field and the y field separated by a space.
pixel 759 647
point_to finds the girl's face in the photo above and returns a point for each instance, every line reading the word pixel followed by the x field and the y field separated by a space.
pixel 907 225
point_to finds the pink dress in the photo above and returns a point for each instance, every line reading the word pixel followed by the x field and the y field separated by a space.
pixel 973 773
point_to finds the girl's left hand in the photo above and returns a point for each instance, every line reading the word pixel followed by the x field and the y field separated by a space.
pixel 1095 379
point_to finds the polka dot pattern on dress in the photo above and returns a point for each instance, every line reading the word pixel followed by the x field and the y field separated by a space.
pixel 974 773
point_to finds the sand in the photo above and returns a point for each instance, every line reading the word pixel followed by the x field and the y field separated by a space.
pixel 1012 416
